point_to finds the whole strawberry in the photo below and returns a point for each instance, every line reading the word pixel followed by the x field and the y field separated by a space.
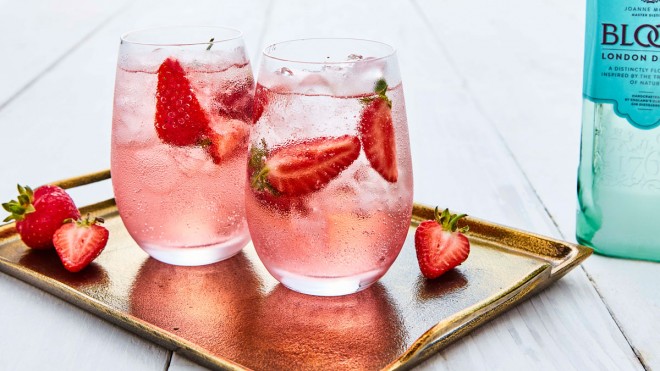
pixel 79 242
pixel 40 213
pixel 439 245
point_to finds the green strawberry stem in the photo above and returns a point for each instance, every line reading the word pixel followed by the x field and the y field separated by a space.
pixel 380 88
pixel 87 222
pixel 210 43
pixel 449 221
pixel 19 209
pixel 258 168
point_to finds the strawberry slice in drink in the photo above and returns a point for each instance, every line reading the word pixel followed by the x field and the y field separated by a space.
pixel 236 100
pixel 180 119
pixel 377 134
pixel 225 137
pixel 260 102
pixel 303 167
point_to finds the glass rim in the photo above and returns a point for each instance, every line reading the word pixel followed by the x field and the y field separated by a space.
pixel 390 53
pixel 123 37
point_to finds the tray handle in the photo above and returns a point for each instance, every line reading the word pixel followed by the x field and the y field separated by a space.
pixel 83 179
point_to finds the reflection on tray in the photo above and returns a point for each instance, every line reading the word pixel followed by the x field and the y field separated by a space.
pixel 296 331
pixel 48 263
pixel 210 303
pixel 225 305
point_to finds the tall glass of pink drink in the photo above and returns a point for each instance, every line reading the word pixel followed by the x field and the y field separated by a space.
pixel 329 181
pixel 182 113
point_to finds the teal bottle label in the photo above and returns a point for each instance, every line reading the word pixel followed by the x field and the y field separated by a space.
pixel 622 58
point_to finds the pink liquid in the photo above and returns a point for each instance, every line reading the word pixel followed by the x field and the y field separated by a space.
pixel 178 205
pixel 349 232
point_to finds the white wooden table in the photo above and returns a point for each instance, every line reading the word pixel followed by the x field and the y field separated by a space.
pixel 493 93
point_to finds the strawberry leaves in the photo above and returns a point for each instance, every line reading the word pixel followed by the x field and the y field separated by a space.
pixel 449 221
pixel 19 209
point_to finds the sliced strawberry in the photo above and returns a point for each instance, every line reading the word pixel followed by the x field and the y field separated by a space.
pixel 180 120
pixel 377 134
pixel 439 245
pixel 260 102
pixel 40 213
pixel 236 101
pixel 225 138
pixel 78 243
pixel 302 167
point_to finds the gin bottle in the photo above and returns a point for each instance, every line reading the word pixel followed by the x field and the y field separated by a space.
pixel 619 174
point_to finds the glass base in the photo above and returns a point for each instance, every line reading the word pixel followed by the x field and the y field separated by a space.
pixel 631 253
pixel 201 255
pixel 326 286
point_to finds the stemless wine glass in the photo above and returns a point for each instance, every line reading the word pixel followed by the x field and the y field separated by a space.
pixel 329 180
pixel 182 109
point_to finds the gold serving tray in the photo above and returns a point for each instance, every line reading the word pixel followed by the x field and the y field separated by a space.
pixel 234 315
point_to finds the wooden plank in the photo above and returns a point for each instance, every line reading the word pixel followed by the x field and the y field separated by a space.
pixel 541 73
pixel 521 63
pixel 40 34
pixel 631 292
pixel 43 332
pixel 180 363
pixel 460 161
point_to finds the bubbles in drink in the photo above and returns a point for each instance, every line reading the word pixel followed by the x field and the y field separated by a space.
pixel 173 196
pixel 355 224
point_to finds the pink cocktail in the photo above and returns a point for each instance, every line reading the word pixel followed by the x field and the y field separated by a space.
pixel 329 190
pixel 182 115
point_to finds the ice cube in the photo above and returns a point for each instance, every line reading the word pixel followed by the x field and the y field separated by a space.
pixel 211 60
pixel 315 84
pixel 363 75
pixel 284 71
pixel 133 122
pixel 147 61
pixel 191 161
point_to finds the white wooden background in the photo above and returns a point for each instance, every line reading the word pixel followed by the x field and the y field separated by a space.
pixel 493 93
